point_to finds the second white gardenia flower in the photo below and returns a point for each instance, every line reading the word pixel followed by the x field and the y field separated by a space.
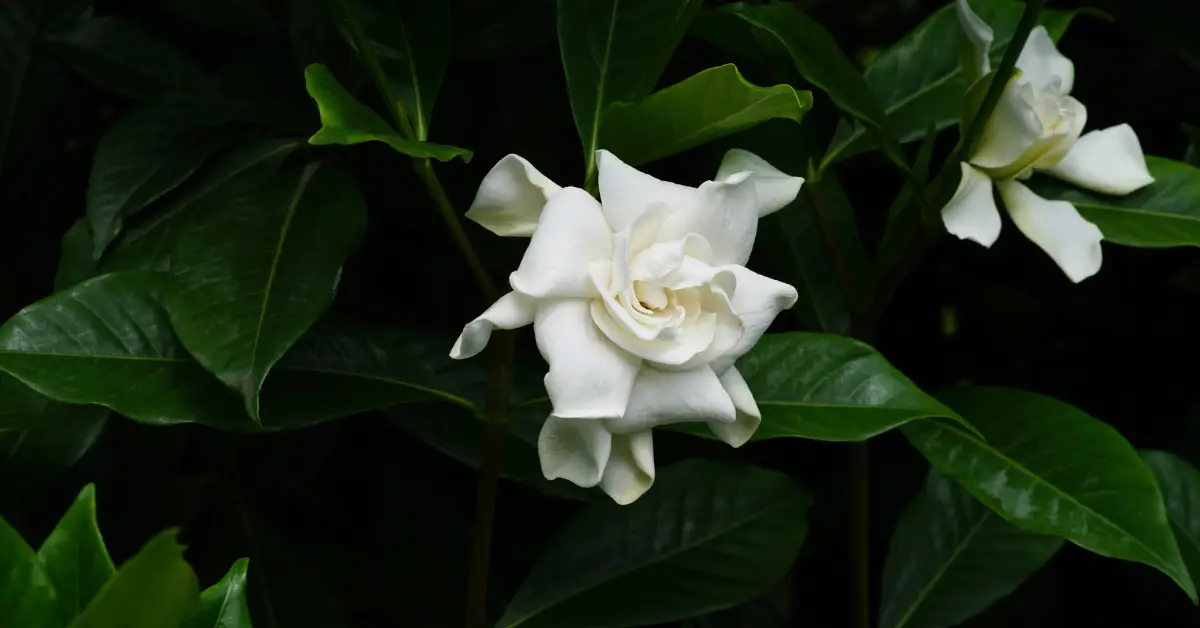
pixel 1036 126
pixel 640 305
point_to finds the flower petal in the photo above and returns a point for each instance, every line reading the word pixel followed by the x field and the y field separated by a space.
pixel 662 398
pixel 1055 226
pixel 589 377
pixel 570 235
pixel 627 191
pixel 1011 131
pixel 510 311
pixel 511 197
pixel 1042 64
pixel 756 301
pixel 574 449
pixel 971 214
pixel 1107 160
pixel 688 342
pixel 748 416
pixel 775 189
pixel 630 470
pixel 726 216
pixel 979 34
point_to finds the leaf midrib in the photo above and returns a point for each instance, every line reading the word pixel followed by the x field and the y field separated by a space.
pixel 943 568
pixel 603 76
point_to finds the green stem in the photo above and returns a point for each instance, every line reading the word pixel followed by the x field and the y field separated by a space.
pixel 425 171
pixel 481 535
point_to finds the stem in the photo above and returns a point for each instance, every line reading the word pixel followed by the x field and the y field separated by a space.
pixel 425 171
pixel 481 536
pixel 860 559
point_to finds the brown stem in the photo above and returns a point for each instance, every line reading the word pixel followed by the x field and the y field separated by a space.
pixel 481 535
pixel 860 559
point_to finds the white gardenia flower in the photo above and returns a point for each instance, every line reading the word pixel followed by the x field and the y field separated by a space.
pixel 1036 126
pixel 639 304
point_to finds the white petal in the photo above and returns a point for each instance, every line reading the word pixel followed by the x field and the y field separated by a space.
pixel 979 34
pixel 627 191
pixel 1108 160
pixel 511 197
pixel 726 216
pixel 510 311
pixel 971 214
pixel 748 416
pixel 571 234
pixel 775 189
pixel 630 470
pixel 589 377
pixel 662 398
pixel 1073 117
pixel 690 341
pixel 1011 131
pixel 727 333
pixel 1055 226
pixel 756 301
pixel 574 449
pixel 1042 64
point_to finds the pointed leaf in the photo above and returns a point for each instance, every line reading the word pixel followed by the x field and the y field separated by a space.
pixel 155 588
pixel 706 536
pixel 75 557
pixel 1050 468
pixel 1180 484
pixel 223 605
pixel 950 558
pixel 27 597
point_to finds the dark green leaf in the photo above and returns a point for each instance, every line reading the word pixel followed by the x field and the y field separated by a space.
pixel 154 589
pixel 55 440
pixel 346 121
pixel 1180 485
pixel 707 536
pixel 20 406
pixel 108 341
pixel 706 106
pixel 1164 213
pixel 614 51
pixel 27 597
pixel 223 605
pixel 19 22
pixel 237 17
pixel 75 261
pixel 1191 155
pixel 313 31
pixel 1050 468
pixel 257 266
pixel 950 558
pixel 74 555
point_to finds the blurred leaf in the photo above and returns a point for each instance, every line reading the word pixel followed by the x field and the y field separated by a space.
pixel 256 268
pixel 614 51
pixel 951 558
pixel 75 557
pixel 19 21
pixel 313 31
pixel 1050 468
pixel 706 536
pixel 505 29
pixel 27 598
pixel 108 341
pixel 237 17
pixel 346 121
pixel 1180 485
pixel 154 589
pixel 711 104
pixel 19 404
pixel 1162 214
pixel 75 261
pixel 223 605
pixel 1191 156
pixel 56 439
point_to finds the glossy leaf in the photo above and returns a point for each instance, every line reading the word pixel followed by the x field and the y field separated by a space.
pixel 614 51
pixel 1180 485
pixel 919 80
pixel 155 588
pixel 706 106
pixel 108 341
pixel 75 557
pixel 223 605
pixel 1050 468
pixel 19 21
pixel 256 268
pixel 707 536
pixel 27 598
pixel 1162 214
pixel 346 121
pixel 950 558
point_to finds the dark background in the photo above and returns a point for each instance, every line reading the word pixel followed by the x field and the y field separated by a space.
pixel 357 523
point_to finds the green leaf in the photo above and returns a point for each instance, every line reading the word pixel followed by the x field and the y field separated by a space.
pixel 19 404
pixel 118 56
pixel 1163 214
pixel 75 557
pixel 706 536
pixel 27 598
pixel 706 106
pixel 1191 155
pixel 155 588
pixel 1180 485
pixel 108 341
pixel 75 261
pixel 237 17
pixel 257 266
pixel 55 440
pixel 1050 468
pixel 223 605
pixel 919 80
pixel 950 558
pixel 19 21
pixel 346 121
pixel 614 51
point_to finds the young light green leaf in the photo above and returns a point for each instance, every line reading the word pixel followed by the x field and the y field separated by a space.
pixel 346 121
pixel 950 558
pixel 1050 468
pixel 1180 485
pixel 27 597
pixel 1163 214
pixel 223 605
pixel 75 557
pixel 715 535
pixel 155 588
pixel 706 106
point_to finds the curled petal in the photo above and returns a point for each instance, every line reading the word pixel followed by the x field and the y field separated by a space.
pixel 571 234
pixel 747 418
pixel 775 189
pixel 574 449
pixel 971 214
pixel 662 398
pixel 726 217
pixel 687 343
pixel 1073 117
pixel 1042 64
pixel 1012 130
pixel 979 34
pixel 1107 160
pixel 510 311
pixel 630 470
pixel 756 301
pixel 589 377
pixel 511 197
pixel 626 191
pixel 1055 226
